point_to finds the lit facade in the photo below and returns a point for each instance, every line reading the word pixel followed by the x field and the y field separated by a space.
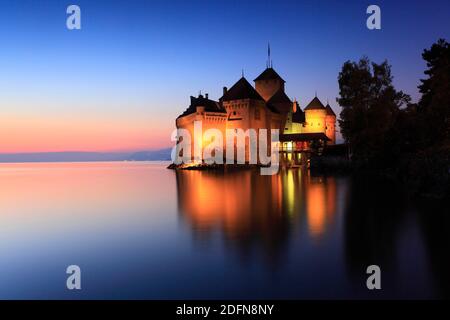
pixel 264 106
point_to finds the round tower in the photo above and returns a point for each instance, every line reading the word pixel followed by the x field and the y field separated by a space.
pixel 315 117
pixel 330 121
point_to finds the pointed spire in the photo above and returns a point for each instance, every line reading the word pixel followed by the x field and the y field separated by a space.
pixel 242 73
pixel 269 61
pixel 316 94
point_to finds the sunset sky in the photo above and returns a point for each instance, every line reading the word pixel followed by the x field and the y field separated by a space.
pixel 119 83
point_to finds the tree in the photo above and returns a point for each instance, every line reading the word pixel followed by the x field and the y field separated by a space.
pixel 370 104
pixel 409 143
pixel 434 105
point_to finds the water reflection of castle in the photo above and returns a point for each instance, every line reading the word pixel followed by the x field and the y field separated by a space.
pixel 351 223
pixel 254 210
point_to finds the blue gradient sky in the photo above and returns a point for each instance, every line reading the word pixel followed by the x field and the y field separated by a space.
pixel 129 71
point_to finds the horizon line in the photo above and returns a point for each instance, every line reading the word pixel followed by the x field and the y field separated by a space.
pixel 83 151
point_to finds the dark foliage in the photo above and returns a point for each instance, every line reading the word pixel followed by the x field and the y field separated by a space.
pixel 388 134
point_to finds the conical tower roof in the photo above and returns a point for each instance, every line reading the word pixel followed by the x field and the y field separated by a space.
pixel 269 74
pixel 315 104
pixel 242 89
pixel 330 111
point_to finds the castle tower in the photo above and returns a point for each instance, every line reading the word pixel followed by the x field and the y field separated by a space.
pixel 330 122
pixel 294 119
pixel 268 83
pixel 315 117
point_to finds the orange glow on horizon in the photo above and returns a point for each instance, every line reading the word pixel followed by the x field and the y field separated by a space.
pixel 37 134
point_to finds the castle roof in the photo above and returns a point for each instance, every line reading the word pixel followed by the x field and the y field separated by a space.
pixel 298 116
pixel 304 136
pixel 201 101
pixel 315 104
pixel 272 108
pixel 241 90
pixel 330 111
pixel 280 97
pixel 269 74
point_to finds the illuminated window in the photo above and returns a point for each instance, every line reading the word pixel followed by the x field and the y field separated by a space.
pixel 289 146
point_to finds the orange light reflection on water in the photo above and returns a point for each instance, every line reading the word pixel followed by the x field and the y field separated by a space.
pixel 246 202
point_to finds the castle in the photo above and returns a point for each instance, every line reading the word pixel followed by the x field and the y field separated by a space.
pixel 265 106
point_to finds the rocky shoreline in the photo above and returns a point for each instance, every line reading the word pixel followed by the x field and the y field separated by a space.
pixel 213 167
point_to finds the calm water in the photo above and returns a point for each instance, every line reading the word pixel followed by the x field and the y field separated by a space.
pixel 138 230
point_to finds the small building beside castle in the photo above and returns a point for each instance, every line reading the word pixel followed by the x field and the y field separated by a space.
pixel 264 106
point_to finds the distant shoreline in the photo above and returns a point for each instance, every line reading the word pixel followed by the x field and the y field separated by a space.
pixel 75 156
pixel 92 161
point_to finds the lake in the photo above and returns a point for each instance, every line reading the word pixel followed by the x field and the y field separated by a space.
pixel 140 231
